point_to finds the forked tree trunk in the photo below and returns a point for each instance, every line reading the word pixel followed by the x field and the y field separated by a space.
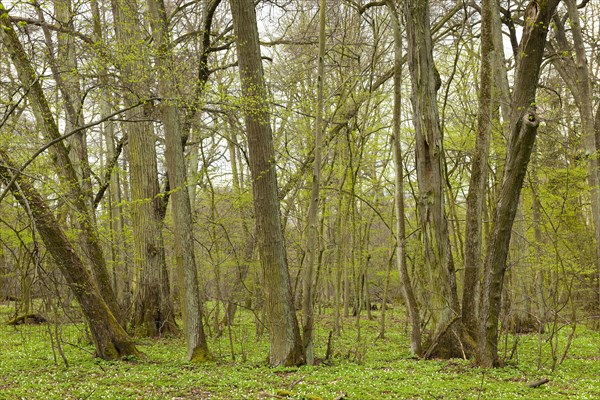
pixel 523 128
pixel 286 345
pixel 110 339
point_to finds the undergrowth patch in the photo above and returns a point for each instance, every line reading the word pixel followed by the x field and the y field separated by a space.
pixel 370 369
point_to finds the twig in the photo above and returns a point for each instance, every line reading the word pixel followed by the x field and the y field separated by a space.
pixel 481 385
pixel 297 381
pixel 538 383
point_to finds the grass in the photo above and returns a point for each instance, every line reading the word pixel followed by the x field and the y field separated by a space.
pixel 371 369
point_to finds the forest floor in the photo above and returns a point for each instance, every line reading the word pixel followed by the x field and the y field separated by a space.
pixel 31 366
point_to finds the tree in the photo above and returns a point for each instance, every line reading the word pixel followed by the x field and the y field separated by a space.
pixel 286 345
pixel 153 314
pixel 312 241
pixel 169 103
pixel 407 288
pixel 523 128
pixel 443 300
pixel 248 238
pixel 120 267
pixel 479 166
pixel 153 311
pixel 110 339
pixel 182 212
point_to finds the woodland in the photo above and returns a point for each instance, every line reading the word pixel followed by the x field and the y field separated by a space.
pixel 299 199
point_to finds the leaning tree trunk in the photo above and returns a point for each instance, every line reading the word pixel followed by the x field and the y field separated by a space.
pixel 60 156
pixel 523 129
pixel 444 304
pixel 110 339
pixel 286 345
pixel 182 211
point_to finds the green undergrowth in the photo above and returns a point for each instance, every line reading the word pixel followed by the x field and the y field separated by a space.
pixel 371 368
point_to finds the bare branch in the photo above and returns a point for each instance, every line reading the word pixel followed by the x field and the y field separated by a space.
pixel 56 28
pixel 109 170
pixel 60 139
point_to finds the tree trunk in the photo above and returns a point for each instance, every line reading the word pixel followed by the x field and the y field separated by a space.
pixel 438 259
pixel 249 239
pixel 407 289
pixel 153 311
pixel 110 339
pixel 118 260
pixel 540 292
pixel 182 212
pixel 477 182
pixel 68 82
pixel 286 345
pixel 120 265
pixel 312 241
pixel 340 265
pixel 523 128
pixel 597 134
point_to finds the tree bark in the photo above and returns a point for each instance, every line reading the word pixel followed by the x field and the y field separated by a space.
pixel 153 311
pixel 523 128
pixel 286 345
